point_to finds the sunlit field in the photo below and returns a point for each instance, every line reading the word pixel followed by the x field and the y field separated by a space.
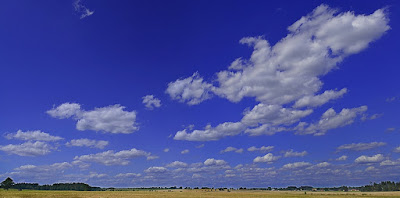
pixel 188 193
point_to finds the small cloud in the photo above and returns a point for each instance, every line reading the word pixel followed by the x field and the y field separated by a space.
pixel 262 149
pixel 88 143
pixel 81 9
pixel 390 129
pixel 185 151
pixel 166 150
pixel 232 149
pixel 367 159
pixel 151 102
pixel 342 158
pixel 269 158
pixel 391 99
pixel 200 146
pixel 152 157
pixel 292 153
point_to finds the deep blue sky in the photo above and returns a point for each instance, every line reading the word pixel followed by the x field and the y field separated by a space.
pixel 125 50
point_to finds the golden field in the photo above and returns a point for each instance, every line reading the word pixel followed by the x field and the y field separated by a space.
pixel 188 194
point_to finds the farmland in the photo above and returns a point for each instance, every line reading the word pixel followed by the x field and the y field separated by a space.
pixel 189 194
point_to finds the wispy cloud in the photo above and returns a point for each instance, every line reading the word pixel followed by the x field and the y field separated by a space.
pixel 81 9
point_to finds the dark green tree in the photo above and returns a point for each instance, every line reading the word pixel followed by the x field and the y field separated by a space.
pixel 8 183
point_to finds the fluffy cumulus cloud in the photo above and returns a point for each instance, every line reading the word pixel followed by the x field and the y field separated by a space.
pixel 292 153
pixel 262 148
pixel 268 158
pixel 331 120
pixel 214 162
pixel 151 102
pixel 84 142
pixel 360 146
pixel 211 133
pixel 369 159
pixel 29 148
pixel 176 164
pixel 36 135
pixel 232 149
pixel 296 165
pixel 192 90
pixel 397 149
pixel 110 157
pixel 109 119
pixel 287 75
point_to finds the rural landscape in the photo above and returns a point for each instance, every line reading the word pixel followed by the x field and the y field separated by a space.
pixel 199 98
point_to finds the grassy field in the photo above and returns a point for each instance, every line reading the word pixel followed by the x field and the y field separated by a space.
pixel 189 194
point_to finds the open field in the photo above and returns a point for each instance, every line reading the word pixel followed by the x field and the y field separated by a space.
pixel 189 194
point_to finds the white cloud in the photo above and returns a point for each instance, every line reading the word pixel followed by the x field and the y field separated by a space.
pixel 367 159
pixel 84 142
pixel 156 169
pixel 330 120
pixel 176 164
pixel 152 157
pixel 128 175
pixel 322 165
pixel 262 148
pixel 361 146
pixel 110 158
pixel 231 149
pixel 296 165
pixel 211 133
pixel 292 153
pixel 166 150
pixel 111 119
pixel 36 135
pixel 81 9
pixel 185 151
pixel 151 102
pixel 214 162
pixel 269 158
pixel 43 168
pixel 342 158
pixel 397 149
pixel 273 114
pixel 288 72
pixel 265 129
pixel 389 163
pixel 65 110
pixel 200 146
pixel 28 148
pixel 191 90
pixel 318 100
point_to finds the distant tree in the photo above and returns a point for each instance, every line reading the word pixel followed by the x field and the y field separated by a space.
pixel 8 183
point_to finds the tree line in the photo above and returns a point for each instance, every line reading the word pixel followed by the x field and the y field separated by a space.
pixel 9 184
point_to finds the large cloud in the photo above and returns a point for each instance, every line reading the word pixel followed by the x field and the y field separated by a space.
pixel 287 74
pixel 110 119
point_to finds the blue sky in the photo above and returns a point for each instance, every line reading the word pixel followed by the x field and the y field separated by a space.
pixel 200 93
